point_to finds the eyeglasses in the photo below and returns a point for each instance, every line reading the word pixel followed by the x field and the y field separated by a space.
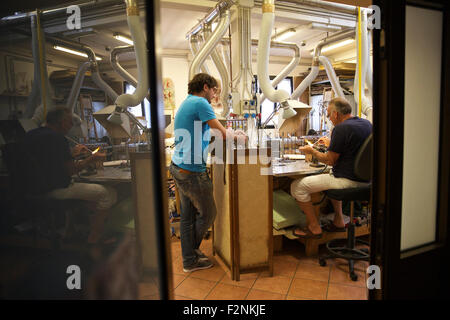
pixel 215 89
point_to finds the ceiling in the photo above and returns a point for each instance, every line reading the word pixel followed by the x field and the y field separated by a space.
pixel 176 19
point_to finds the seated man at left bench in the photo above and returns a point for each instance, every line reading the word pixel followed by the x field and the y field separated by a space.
pixel 50 149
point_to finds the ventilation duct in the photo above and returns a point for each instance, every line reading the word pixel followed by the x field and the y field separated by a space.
pixel 210 44
pixel 140 47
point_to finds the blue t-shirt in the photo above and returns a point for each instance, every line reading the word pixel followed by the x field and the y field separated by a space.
pixel 192 133
pixel 346 139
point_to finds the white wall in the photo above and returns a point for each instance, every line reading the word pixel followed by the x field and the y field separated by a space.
pixel 178 70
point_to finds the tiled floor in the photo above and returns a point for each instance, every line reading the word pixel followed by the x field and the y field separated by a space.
pixel 296 277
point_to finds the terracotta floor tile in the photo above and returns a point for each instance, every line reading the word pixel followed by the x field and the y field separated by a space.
pixel 312 272
pixel 178 297
pixel 206 247
pixel 256 294
pixel 227 292
pixel 314 260
pixel 177 279
pixel 293 257
pixel 284 267
pixel 246 280
pixel 195 288
pixel 177 266
pixel 276 284
pixel 308 289
pixel 339 275
pixel 340 292
pixel 295 298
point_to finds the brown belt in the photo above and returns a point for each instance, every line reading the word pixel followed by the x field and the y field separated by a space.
pixel 182 170
pixel 185 171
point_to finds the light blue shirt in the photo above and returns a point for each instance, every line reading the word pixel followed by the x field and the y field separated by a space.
pixel 192 134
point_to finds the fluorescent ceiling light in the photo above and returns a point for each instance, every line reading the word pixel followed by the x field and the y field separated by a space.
pixel 284 34
pixel 78 53
pixel 338 45
pixel 123 39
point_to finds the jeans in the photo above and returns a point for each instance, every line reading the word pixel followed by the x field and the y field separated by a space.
pixel 198 210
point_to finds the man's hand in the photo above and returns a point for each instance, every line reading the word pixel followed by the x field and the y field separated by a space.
pixel 307 150
pixel 79 149
pixel 236 134
pixel 239 134
pixel 325 141
pixel 99 157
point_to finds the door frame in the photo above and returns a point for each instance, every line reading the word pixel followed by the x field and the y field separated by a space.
pixel 420 272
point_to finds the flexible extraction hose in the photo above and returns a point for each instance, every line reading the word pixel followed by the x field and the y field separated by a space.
pixel 114 59
pixel 222 71
pixel 193 44
pixel 75 90
pixel 137 34
pixel 332 76
pixel 306 82
pixel 316 61
pixel 268 9
pixel 118 68
pixel 210 44
pixel 288 69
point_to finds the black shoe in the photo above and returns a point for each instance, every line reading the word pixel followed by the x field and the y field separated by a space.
pixel 199 265
pixel 201 256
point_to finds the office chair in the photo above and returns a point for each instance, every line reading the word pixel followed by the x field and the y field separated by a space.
pixel 362 169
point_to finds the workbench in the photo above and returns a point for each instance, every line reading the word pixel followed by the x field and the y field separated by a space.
pixel 243 237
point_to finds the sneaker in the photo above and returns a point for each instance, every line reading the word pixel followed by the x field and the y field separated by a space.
pixel 201 256
pixel 199 265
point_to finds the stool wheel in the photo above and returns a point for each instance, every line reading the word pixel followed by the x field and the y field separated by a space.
pixel 353 276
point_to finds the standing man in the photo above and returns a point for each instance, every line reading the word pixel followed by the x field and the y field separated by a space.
pixel 50 150
pixel 348 135
pixel 192 123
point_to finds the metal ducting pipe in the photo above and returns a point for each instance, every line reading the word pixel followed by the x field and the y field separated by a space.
pixel 315 63
pixel 268 17
pixel 327 5
pixel 209 46
pixel 119 69
pixel 140 47
pixel 332 76
pixel 210 16
pixel 194 45
pixel 291 66
pixel 75 91
pixel 94 65
pixel 53 13
pixel 222 71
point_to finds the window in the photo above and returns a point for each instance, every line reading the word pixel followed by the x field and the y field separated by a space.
pixel 142 109
pixel 268 106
